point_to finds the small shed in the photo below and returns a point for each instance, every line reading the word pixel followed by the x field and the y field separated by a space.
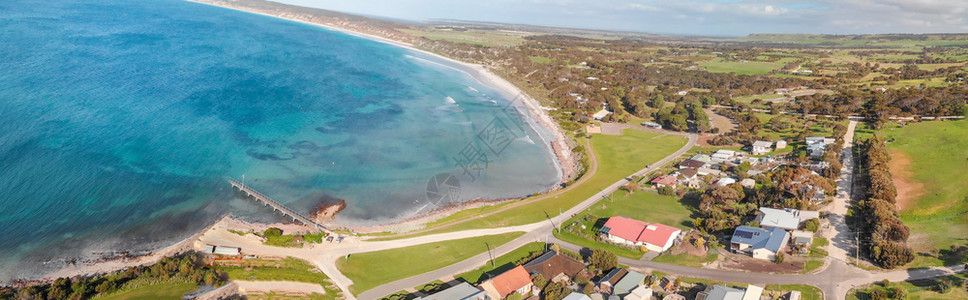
pixel 780 144
pixel 800 237
pixel 223 250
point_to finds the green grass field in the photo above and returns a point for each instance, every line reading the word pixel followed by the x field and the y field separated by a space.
pixel 921 289
pixel 164 290
pixel 618 157
pixel 487 38
pixel 938 153
pixel 371 269
pixel 717 65
pixel 807 292
pixel 289 269
pixel 502 263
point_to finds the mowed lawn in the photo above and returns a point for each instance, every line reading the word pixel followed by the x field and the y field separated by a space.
pixel 641 205
pixel 164 290
pixel 618 156
pixel 289 269
pixel 371 269
pixel 717 65
pixel 939 160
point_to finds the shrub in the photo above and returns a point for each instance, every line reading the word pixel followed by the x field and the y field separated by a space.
pixel 878 294
pixel 272 231
pixel 812 225
pixel 603 259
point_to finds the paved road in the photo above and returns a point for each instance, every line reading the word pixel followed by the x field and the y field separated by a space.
pixel 537 232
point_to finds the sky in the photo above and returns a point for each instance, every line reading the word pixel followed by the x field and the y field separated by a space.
pixel 689 17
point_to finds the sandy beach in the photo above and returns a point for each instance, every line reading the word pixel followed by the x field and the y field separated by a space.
pixel 558 145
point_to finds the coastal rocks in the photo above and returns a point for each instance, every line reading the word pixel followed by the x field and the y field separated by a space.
pixel 325 210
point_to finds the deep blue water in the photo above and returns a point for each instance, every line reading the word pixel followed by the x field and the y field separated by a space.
pixel 121 120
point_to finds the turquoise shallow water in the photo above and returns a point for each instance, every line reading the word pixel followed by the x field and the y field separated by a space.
pixel 121 120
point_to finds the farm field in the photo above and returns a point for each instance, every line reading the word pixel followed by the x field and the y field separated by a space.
pixel 929 160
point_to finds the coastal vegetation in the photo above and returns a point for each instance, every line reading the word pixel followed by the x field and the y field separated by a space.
pixel 371 269
pixel 172 276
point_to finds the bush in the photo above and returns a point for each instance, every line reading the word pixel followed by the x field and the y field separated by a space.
pixel 272 231
pixel 603 259
pixel 899 293
pixel 778 258
pixel 878 294
pixel 812 225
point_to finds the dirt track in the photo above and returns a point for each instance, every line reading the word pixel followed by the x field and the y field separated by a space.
pixel 908 189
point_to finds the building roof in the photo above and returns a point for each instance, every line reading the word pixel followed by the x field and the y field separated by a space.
pixel 638 231
pixel 815 139
pixel 552 263
pixel 779 218
pixel 748 182
pixel 613 276
pixel 601 114
pixel 665 179
pixel 576 296
pixel 689 173
pixel 462 291
pixel 702 157
pixel 753 292
pixel 725 181
pixel 689 163
pixel 628 283
pixel 762 144
pixel 510 281
pixel 718 292
pixel 760 238
pixel 640 293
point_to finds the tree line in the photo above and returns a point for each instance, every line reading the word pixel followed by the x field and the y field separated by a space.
pixel 884 233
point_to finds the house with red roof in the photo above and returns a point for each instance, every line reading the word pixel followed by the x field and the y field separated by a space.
pixel 664 180
pixel 516 280
pixel 654 236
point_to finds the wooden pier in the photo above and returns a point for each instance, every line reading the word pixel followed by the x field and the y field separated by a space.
pixel 276 206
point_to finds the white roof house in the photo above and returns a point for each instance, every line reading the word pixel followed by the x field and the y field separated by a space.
pixel 725 181
pixel 719 292
pixel 462 291
pixel 788 218
pixel 640 293
pixel 601 114
pixel 761 147
pixel 781 144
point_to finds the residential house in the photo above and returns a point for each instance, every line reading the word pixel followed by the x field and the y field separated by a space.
pixel 719 292
pixel 516 280
pixel 664 181
pixel 691 164
pixel 761 147
pixel 723 155
pixel 655 237
pixel 787 218
pixel 748 183
pixel 555 266
pixel 462 291
pixel 707 171
pixel 688 174
pixel 640 293
pixel 628 283
pixel 694 183
pixel 800 237
pixel 577 296
pixel 816 145
pixel 608 281
pixel 759 242
pixel 725 181
pixel 703 158
pixel 601 114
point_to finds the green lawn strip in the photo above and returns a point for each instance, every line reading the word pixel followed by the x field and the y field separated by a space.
pixel 938 151
pixel 817 248
pixel 717 65
pixel 918 289
pixel 811 265
pixel 502 263
pixel 618 157
pixel 274 296
pixel 371 269
pixel 686 259
pixel 161 290
pixel 807 292
pixel 591 244
pixel 289 269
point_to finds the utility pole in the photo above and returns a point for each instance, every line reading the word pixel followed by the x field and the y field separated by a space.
pixel 552 221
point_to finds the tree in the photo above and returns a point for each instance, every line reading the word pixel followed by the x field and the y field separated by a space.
pixel 878 294
pixel 555 291
pixel 657 102
pixel 899 293
pixel 539 281
pixel 555 248
pixel 272 231
pixel 778 258
pixel 603 259
pixel 812 225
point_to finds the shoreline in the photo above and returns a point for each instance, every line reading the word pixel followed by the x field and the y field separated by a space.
pixel 558 147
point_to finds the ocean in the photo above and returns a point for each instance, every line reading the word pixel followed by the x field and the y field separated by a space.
pixel 121 121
